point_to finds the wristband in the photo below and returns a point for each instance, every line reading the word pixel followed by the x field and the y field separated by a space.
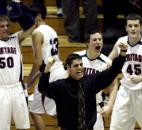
pixel 123 50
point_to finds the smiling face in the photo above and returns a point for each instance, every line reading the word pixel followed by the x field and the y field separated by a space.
pixel 4 27
pixel 133 28
pixel 95 43
pixel 76 69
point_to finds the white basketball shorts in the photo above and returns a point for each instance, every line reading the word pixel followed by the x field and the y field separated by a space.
pixel 13 105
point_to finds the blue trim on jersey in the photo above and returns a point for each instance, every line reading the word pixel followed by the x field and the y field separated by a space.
pixel 9 38
pixel 12 37
pixel 139 42
pixel 99 58
pixel 20 78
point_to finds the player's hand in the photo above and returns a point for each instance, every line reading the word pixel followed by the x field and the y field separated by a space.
pixel 106 111
pixel 51 61
pixel 123 48
pixel 135 79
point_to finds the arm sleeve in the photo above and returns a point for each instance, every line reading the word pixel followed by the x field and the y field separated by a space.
pixel 46 88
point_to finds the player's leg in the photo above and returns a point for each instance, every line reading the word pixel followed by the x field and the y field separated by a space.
pixel 37 110
pixel 5 109
pixel 20 108
pixel 137 104
pixel 122 116
pixel 38 120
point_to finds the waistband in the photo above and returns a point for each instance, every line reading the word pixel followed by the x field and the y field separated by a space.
pixel 11 85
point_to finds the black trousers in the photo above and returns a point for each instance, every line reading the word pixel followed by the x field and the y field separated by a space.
pixel 72 18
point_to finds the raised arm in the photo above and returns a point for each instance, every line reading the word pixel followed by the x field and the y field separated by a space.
pixel 44 87
pixel 26 33
pixel 116 50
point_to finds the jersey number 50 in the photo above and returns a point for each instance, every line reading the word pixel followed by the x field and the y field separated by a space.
pixel 6 62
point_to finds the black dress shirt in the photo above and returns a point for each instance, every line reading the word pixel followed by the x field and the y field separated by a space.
pixel 65 94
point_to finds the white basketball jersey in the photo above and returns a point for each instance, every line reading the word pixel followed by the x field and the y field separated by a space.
pixel 93 66
pixel 50 44
pixel 133 63
pixel 10 61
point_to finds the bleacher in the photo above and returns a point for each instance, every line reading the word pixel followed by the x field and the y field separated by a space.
pixel 65 48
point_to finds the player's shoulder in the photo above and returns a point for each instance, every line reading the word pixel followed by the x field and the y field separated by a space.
pixel 15 35
pixel 105 58
pixel 45 29
pixel 123 39
pixel 81 53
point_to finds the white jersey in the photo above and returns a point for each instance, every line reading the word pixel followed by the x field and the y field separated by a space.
pixel 50 44
pixel 133 63
pixel 10 61
pixel 92 66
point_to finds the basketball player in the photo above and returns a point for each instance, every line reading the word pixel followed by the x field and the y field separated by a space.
pixel 127 108
pixel 94 61
pixel 12 97
pixel 45 44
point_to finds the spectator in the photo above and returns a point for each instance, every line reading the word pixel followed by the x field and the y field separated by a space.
pixel 72 19
pixel 59 8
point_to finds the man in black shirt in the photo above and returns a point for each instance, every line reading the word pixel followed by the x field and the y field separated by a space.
pixel 65 91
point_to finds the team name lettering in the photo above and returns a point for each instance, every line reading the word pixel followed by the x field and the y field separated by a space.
pixel 7 50
pixel 90 71
pixel 134 57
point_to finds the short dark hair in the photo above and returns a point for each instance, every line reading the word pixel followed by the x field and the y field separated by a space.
pixel 71 58
pixel 133 16
pixel 88 37
pixel 40 9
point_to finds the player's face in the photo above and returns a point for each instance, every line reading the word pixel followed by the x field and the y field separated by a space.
pixel 133 28
pixel 95 42
pixel 4 29
pixel 76 69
